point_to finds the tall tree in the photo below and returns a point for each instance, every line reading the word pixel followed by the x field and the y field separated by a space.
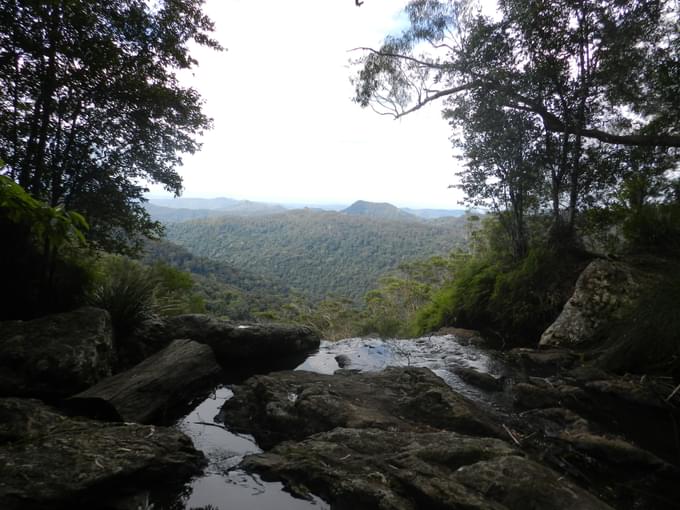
pixel 91 108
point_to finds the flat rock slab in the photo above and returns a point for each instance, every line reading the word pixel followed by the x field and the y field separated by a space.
pixel 397 470
pixel 233 343
pixel 150 390
pixel 57 355
pixel 48 460
pixel 295 405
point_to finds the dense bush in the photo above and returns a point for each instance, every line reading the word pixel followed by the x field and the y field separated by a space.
pixel 132 292
pixel 514 300
pixel 45 260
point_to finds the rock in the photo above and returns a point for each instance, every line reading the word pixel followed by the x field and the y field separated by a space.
pixel 406 470
pixel 603 291
pixel 50 461
pixel 479 379
pixel 612 450
pixel 543 361
pixel 295 405
pixel 151 390
pixel 57 355
pixel 531 396
pixel 343 360
pixel 232 343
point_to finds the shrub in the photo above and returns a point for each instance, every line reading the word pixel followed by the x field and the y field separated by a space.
pixel 515 300
pixel 125 288
pixel 46 262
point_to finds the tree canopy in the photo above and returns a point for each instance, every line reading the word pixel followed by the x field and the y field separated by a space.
pixel 553 102
pixel 91 108
pixel 602 70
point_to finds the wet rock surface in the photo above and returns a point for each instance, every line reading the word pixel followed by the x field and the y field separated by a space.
pixel 153 389
pixel 295 405
pixel 363 438
pixel 369 468
pixel 396 439
pixel 234 344
pixel 50 461
pixel 57 355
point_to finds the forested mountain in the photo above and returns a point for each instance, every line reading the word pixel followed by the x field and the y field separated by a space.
pixel 379 210
pixel 318 252
pixel 225 289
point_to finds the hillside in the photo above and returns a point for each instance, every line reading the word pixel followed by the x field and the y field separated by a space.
pixel 183 209
pixel 225 289
pixel 318 252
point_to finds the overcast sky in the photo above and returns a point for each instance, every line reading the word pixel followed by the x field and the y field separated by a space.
pixel 286 129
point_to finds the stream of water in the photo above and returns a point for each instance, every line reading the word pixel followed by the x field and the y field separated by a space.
pixel 224 486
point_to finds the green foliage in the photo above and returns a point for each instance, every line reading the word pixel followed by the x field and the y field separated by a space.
pixel 335 317
pixel 132 292
pixel 91 106
pixel 391 307
pixel 514 300
pixel 44 255
pixel 125 289
pixel 225 290
pixel 319 253
pixel 654 228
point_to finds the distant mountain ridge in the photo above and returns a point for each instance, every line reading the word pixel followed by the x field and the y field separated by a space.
pixel 172 210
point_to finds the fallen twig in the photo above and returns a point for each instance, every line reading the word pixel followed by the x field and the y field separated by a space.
pixel 669 397
pixel 512 436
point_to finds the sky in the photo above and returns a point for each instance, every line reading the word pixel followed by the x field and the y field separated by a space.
pixel 285 127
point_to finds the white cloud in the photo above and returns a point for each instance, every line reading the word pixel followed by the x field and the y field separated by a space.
pixel 285 126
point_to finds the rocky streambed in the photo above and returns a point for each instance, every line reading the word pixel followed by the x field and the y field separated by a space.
pixel 435 422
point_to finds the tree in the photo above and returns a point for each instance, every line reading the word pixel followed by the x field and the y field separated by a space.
pixel 575 64
pixel 504 160
pixel 92 108
pixel 581 75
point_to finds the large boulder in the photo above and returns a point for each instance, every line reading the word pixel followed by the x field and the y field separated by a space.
pixel 57 355
pixel 603 292
pixel 234 343
pixel 295 405
pixel 153 389
pixel 50 461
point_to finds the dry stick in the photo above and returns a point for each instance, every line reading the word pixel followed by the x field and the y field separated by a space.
pixel 669 397
pixel 512 436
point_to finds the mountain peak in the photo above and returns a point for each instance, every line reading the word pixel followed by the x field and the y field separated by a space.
pixel 378 210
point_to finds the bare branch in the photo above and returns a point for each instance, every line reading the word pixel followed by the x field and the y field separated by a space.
pixel 400 56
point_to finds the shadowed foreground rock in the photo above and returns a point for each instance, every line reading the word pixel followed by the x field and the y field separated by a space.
pixel 57 355
pixel 294 405
pixel 147 392
pixel 400 439
pixel 233 344
pixel 49 461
